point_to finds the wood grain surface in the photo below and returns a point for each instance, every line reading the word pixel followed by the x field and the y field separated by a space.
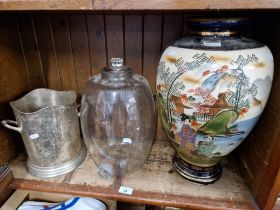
pixel 64 52
pixel 14 82
pixel 258 155
pixel 136 4
pixel 172 29
pixel 152 47
pixel 154 183
pixel 114 36
pixel 97 42
pixel 133 42
pixel 44 34
pixel 30 49
pixel 6 177
pixel 46 5
pixel 183 4
pixel 80 47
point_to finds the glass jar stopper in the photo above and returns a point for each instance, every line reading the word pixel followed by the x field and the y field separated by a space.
pixel 116 63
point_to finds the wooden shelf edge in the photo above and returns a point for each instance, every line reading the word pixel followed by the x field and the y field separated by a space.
pixel 155 183
pixel 101 5
pixel 21 5
pixel 137 196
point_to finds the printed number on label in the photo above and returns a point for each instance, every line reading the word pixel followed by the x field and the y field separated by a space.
pixel 125 190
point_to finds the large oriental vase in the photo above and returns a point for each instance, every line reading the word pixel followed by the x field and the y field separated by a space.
pixel 211 90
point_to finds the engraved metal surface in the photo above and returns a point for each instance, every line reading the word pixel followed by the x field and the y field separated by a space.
pixel 49 125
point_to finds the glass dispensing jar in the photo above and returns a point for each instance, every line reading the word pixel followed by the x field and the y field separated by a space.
pixel 212 87
pixel 118 119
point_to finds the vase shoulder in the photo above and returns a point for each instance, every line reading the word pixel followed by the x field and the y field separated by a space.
pixel 220 43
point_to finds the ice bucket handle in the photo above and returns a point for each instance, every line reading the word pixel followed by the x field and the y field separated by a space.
pixel 6 123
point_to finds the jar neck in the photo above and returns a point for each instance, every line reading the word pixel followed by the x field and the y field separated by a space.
pixel 119 75
pixel 116 71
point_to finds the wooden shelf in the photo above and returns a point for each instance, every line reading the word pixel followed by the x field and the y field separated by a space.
pixel 155 183
pixel 136 4
pixel 60 51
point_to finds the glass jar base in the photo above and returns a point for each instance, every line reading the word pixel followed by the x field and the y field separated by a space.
pixel 196 174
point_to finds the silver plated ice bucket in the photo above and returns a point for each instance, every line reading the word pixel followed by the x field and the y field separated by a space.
pixel 49 125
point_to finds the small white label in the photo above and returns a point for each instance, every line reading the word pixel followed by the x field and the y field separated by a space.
pixel 213 44
pixel 34 136
pixel 127 140
pixel 126 190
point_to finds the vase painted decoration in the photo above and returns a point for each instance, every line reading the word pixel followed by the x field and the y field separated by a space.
pixel 211 90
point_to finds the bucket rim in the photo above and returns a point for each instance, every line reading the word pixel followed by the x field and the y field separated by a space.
pixel 14 103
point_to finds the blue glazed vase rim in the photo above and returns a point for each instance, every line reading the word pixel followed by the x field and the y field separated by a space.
pixel 218 22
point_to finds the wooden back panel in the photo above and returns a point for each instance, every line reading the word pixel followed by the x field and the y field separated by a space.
pixel 61 51
pixel 259 155
pixel 14 82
